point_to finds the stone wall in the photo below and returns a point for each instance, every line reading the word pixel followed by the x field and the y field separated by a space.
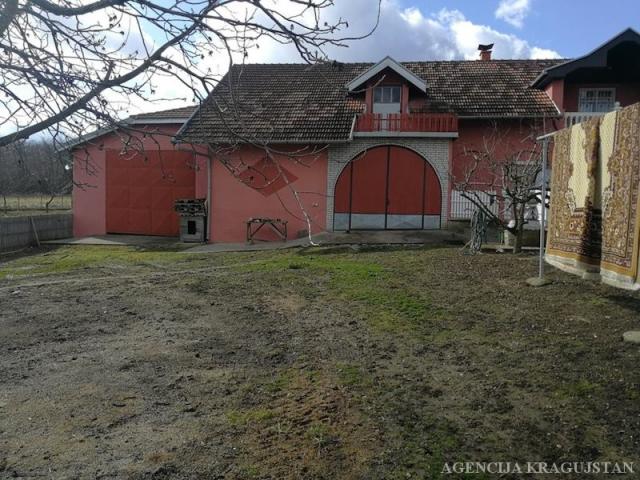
pixel 434 150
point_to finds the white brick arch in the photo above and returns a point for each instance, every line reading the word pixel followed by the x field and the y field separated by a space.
pixel 434 151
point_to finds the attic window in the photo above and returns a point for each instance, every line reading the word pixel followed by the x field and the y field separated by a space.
pixel 596 99
pixel 386 95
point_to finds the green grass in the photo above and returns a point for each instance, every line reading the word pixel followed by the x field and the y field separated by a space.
pixel 280 383
pixel 249 471
pixel 75 257
pixel 320 435
pixel 581 389
pixel 387 302
pixel 352 375
pixel 258 415
pixel 599 302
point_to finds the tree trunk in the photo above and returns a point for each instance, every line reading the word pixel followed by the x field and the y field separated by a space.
pixel 517 242
pixel 49 203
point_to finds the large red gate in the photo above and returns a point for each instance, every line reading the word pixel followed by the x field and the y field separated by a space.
pixel 387 187
pixel 141 190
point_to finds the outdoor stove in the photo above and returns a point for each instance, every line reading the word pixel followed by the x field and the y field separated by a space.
pixel 193 219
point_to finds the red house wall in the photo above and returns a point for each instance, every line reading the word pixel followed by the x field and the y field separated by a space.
pixel 234 202
pixel 626 93
pixel 89 176
pixel 555 91
pixel 89 191
pixel 513 135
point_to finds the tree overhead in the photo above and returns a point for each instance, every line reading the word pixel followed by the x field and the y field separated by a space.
pixel 69 64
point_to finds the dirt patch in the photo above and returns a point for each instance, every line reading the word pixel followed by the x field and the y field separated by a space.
pixel 379 364
pixel 312 429
pixel 287 304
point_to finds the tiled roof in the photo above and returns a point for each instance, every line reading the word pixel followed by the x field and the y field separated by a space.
pixel 310 103
pixel 496 88
pixel 175 116
pixel 174 113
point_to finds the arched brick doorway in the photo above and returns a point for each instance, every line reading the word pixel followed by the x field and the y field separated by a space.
pixel 387 188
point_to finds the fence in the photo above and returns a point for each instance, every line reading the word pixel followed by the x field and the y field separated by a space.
pixel 406 122
pixel 19 232
pixel 462 208
pixel 34 202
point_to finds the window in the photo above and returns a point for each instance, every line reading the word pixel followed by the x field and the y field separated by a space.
pixel 596 99
pixel 386 95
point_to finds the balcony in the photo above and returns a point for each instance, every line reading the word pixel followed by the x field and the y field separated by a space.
pixel 573 118
pixel 406 125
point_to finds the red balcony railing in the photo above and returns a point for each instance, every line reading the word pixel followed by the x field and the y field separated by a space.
pixel 406 122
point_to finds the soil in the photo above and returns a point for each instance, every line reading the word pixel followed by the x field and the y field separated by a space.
pixel 307 364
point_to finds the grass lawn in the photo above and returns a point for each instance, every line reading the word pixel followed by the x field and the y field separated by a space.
pixel 307 364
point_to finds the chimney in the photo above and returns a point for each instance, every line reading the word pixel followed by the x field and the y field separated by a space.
pixel 485 52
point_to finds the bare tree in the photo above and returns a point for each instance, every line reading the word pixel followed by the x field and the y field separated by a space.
pixel 69 64
pixel 502 180
pixel 34 167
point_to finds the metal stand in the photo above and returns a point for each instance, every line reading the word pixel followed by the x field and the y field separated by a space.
pixel 539 281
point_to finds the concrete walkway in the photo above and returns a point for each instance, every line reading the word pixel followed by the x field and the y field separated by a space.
pixel 362 237
pixel 122 240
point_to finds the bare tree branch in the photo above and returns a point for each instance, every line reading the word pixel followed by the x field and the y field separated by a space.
pixel 502 179
pixel 64 60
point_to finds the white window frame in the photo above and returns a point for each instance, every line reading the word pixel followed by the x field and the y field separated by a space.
pixel 582 92
pixel 389 89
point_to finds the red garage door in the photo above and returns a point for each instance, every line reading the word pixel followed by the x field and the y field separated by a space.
pixel 387 187
pixel 141 190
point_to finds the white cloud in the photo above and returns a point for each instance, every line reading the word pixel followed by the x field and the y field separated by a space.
pixel 542 53
pixel 513 11
pixel 410 34
pixel 403 33
pixel 467 35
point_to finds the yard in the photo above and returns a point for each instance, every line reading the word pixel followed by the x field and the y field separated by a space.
pixel 307 364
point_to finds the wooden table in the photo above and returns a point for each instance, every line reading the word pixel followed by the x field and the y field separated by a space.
pixel 278 226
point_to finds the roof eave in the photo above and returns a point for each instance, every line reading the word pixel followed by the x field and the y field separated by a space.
pixel 104 131
pixel 157 121
pixel 387 62
pixel 176 137
pixel 519 116
pixel 202 141
pixel 559 71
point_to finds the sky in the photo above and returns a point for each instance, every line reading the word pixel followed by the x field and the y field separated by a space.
pixel 569 27
pixel 452 29
pixel 428 30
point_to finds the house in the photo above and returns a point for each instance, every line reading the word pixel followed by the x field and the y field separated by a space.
pixel 126 180
pixel 596 82
pixel 341 146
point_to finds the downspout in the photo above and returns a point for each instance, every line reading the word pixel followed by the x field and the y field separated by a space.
pixel 353 127
pixel 209 209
